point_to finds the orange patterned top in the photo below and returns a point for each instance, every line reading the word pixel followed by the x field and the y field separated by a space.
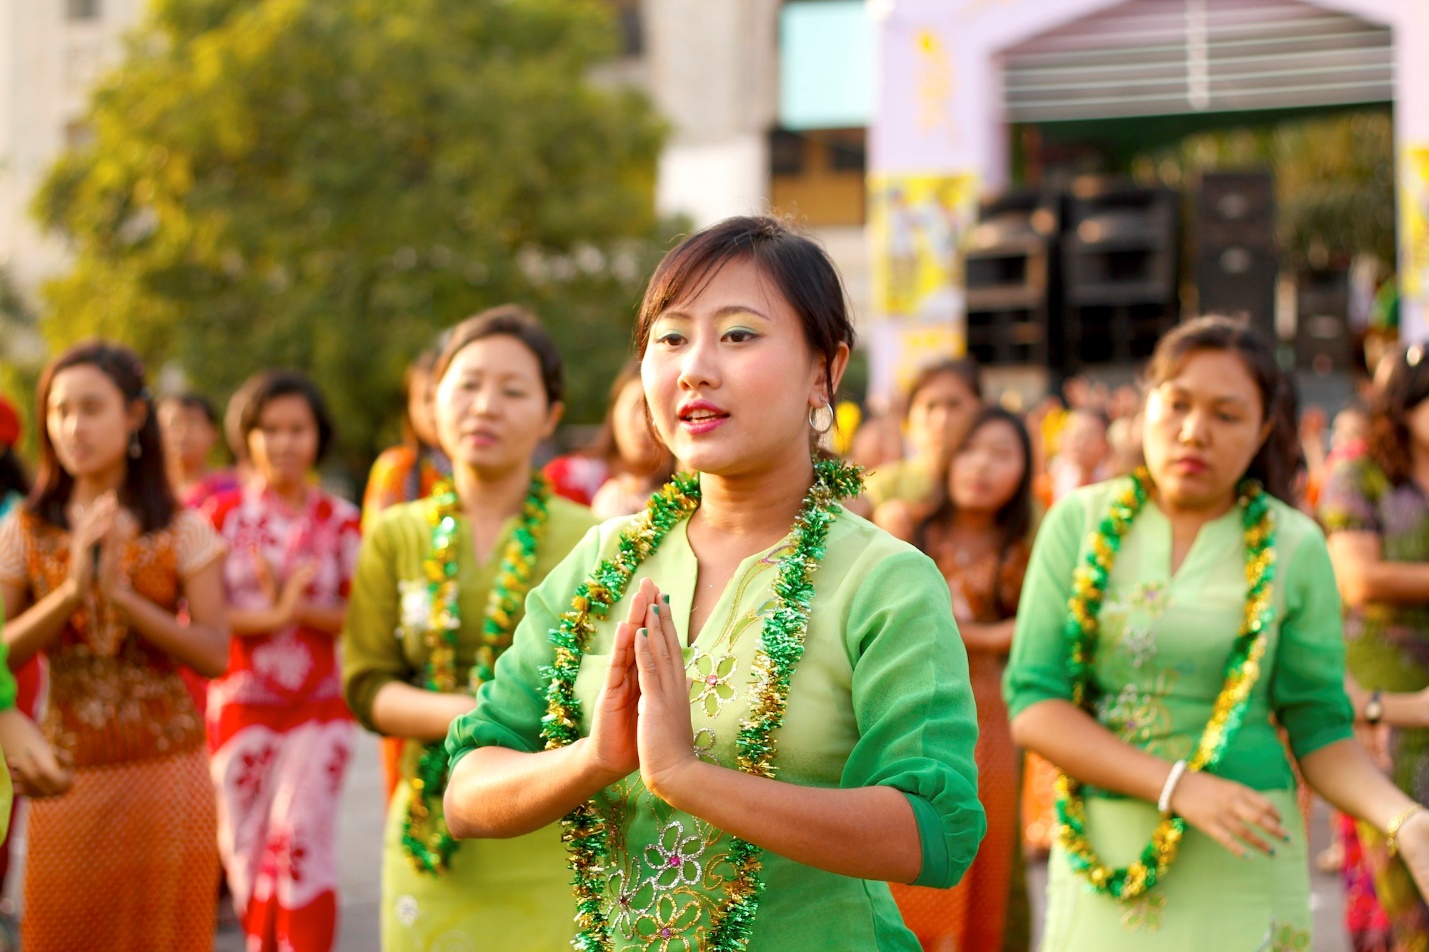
pixel 114 697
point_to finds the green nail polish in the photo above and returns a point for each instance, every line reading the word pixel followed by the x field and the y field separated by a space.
pixel 644 633
pixel 656 610
pixel 665 599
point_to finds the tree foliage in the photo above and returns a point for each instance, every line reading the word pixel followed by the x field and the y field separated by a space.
pixel 327 183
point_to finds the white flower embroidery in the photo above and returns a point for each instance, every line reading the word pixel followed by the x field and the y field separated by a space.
pixel 416 611
pixel 406 909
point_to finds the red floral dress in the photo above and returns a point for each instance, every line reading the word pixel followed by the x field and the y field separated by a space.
pixel 280 733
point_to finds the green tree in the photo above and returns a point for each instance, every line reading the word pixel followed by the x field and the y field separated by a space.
pixel 327 183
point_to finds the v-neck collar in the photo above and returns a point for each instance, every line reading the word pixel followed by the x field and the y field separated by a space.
pixel 682 591
pixel 1160 540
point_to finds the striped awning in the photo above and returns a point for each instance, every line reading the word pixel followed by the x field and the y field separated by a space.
pixel 1168 57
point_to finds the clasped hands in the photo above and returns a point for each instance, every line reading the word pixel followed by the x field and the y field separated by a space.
pixel 641 718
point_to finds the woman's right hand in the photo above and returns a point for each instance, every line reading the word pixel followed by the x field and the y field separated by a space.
pixel 93 527
pixel 36 768
pixel 612 741
pixel 1230 813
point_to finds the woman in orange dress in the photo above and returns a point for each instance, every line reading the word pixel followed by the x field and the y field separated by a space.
pixel 978 535
pixel 92 571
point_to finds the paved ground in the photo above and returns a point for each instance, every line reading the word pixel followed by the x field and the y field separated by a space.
pixel 359 863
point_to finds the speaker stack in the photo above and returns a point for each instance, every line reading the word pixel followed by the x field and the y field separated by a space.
pixel 1237 263
pixel 1011 278
pixel 1120 254
pixel 1324 342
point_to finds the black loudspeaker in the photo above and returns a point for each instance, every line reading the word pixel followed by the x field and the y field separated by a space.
pixel 1120 254
pixel 1235 209
pixel 1239 282
pixel 1012 279
pixel 1324 342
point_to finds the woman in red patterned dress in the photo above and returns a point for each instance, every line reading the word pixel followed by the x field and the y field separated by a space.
pixel 279 730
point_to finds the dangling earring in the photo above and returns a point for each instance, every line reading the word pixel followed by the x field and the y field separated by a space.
pixel 135 450
pixel 816 418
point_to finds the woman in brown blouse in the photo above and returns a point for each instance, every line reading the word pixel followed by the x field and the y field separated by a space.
pixel 92 570
pixel 978 533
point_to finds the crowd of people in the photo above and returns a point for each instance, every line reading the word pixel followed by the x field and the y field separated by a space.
pixel 710 683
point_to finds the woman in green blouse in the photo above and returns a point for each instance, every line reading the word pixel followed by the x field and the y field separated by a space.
pixel 1169 621
pixel 437 593
pixel 756 709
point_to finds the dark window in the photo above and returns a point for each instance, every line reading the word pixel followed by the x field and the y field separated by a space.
pixel 82 9
pixel 631 26
pixel 847 152
pixel 786 153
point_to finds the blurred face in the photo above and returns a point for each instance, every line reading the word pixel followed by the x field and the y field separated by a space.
pixel 284 445
pixel 988 469
pixel 491 407
pixel 1085 441
pixel 729 377
pixel 632 429
pixel 89 421
pixel 940 414
pixel 420 408
pixel 187 434
pixel 1350 426
pixel 1202 428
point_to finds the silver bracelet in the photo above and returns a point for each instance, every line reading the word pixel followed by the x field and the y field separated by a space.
pixel 1178 770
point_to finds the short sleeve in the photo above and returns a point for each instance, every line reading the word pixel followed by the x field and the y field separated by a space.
pixel 349 544
pixel 1307 685
pixel 12 549
pixel 372 654
pixel 510 706
pixel 196 543
pixel 914 708
pixel 1349 499
pixel 1036 667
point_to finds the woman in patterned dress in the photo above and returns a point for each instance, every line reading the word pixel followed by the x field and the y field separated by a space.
pixel 978 533
pixel 280 733
pixel 1375 507
pixel 92 570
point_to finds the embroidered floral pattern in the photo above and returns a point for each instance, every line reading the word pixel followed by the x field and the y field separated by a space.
pixel 711 677
pixel 675 857
pixel 669 927
pixel 1284 937
pixel 1145 913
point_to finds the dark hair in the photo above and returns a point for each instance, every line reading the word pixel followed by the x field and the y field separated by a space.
pixel 263 388
pixel 1274 462
pixel 13 478
pixel 145 491
pixel 603 447
pixel 423 363
pixel 508 320
pixel 1388 438
pixel 800 270
pixel 964 368
pixel 1015 516
pixel 193 401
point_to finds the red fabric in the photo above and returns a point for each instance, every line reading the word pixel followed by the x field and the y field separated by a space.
pixel 577 478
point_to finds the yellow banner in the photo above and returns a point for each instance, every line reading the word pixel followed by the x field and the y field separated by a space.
pixel 1414 206
pixel 917 224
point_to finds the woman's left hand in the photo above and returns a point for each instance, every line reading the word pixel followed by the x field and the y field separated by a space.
pixel 1414 849
pixel 664 734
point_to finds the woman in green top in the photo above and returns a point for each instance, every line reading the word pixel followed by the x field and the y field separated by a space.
pixel 748 727
pixel 437 593
pixel 1165 620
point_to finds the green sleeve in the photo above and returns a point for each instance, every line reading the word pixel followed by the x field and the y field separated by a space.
pixel 9 689
pixel 372 654
pixel 510 706
pixel 1307 684
pixel 1037 665
pixel 914 708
